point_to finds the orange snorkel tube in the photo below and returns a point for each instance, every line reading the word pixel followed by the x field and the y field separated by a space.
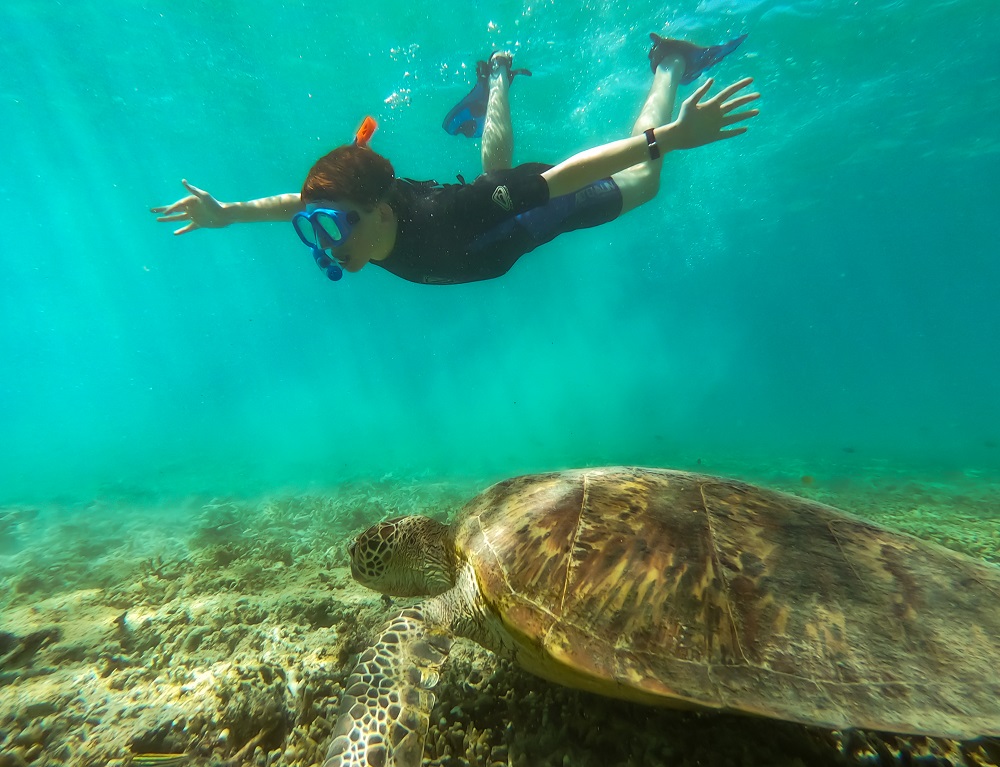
pixel 365 132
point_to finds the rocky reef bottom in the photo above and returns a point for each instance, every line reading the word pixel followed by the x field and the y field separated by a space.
pixel 221 631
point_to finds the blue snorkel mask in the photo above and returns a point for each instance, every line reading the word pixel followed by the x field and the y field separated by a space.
pixel 324 229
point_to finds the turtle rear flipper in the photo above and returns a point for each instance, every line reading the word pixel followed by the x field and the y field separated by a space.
pixel 387 701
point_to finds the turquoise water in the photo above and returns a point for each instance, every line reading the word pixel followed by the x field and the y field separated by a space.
pixel 824 288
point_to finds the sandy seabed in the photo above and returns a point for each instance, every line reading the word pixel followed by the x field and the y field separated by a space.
pixel 223 630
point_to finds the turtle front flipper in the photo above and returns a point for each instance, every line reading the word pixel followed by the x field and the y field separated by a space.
pixel 387 701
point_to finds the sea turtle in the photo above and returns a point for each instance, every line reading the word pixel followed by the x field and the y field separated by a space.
pixel 677 589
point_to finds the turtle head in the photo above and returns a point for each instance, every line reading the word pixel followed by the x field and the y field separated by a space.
pixel 404 557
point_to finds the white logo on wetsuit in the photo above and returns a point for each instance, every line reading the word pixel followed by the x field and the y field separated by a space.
pixel 502 198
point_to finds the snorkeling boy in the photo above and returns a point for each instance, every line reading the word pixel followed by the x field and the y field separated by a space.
pixel 353 210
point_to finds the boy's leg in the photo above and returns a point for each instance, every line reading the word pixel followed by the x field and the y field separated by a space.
pixel 498 131
pixel 640 183
pixel 674 62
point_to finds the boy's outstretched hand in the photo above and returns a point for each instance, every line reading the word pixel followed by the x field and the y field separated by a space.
pixel 199 209
pixel 698 124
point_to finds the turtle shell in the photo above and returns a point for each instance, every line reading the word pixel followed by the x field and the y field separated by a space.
pixel 695 591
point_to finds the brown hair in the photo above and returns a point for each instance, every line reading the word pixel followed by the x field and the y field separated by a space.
pixel 349 173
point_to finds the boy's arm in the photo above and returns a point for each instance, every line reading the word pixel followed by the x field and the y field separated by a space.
pixel 202 210
pixel 696 125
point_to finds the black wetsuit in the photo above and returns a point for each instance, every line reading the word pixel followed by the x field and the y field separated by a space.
pixel 452 233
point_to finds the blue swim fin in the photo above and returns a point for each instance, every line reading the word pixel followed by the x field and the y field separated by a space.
pixel 696 58
pixel 468 115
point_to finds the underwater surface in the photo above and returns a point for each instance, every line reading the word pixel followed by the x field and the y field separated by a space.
pixel 191 428
pixel 827 282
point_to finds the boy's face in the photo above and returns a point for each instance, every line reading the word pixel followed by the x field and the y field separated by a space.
pixel 369 239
